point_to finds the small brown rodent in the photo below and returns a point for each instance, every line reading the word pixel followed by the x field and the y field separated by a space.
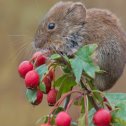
pixel 69 25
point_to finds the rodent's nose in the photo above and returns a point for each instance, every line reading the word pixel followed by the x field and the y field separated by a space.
pixel 40 41
pixel 37 44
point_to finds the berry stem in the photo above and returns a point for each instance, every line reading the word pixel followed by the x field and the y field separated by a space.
pixel 108 105
pixel 94 103
pixel 71 101
pixel 91 99
pixel 63 60
pixel 66 102
pixel 86 109
pixel 69 104
pixel 59 102
pixel 97 91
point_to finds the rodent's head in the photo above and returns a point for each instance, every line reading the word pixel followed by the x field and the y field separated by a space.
pixel 60 27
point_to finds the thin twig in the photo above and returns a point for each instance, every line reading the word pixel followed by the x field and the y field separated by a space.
pixel 66 102
pixel 91 99
pixel 59 102
pixel 86 109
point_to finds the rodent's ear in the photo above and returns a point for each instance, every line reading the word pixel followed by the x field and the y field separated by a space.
pixel 77 12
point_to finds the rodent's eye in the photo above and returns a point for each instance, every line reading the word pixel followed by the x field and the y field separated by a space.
pixel 51 26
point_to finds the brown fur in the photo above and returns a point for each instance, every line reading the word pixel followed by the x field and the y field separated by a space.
pixel 77 26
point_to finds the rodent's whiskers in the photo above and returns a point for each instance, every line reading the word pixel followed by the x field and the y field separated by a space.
pixel 19 45
pixel 16 35
pixel 23 50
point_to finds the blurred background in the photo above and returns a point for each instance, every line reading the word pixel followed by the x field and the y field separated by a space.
pixel 18 22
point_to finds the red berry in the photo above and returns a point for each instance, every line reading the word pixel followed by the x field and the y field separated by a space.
pixel 39 58
pixel 32 79
pixel 102 118
pixel 47 83
pixel 46 124
pixel 51 97
pixel 25 67
pixel 63 119
pixel 39 97
pixel 51 74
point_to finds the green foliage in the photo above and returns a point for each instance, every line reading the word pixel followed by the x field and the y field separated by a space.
pixel 66 69
pixel 74 124
pixel 86 51
pixel 83 62
pixel 42 119
pixel 81 70
pixel 59 109
pixel 81 120
pixel 60 80
pixel 118 101
pixel 115 98
pixel 55 56
pixel 42 87
pixel 65 84
pixel 42 70
pixel 119 115
pixel 31 95
pixel 77 67
pixel 90 116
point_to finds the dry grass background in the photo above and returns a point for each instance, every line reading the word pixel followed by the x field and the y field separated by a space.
pixel 18 22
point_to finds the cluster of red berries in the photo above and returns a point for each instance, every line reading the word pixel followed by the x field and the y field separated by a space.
pixel 101 118
pixel 27 70
pixel 32 79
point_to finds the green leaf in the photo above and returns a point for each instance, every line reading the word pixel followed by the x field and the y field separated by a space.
pixel 58 83
pixel 42 70
pixel 81 120
pixel 31 95
pixel 74 124
pixel 42 119
pixel 115 98
pixel 90 69
pixel 116 124
pixel 90 106
pixel 66 58
pixel 90 116
pixel 83 61
pixel 86 51
pixel 52 122
pixel 77 67
pixel 68 84
pixel 65 84
pixel 118 100
pixel 55 56
pixel 119 116
pixel 59 109
pixel 42 87
pixel 60 92
pixel 82 106
pixel 66 69
pixel 60 80
pixel 101 72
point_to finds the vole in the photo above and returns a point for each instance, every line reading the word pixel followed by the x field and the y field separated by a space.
pixel 69 25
